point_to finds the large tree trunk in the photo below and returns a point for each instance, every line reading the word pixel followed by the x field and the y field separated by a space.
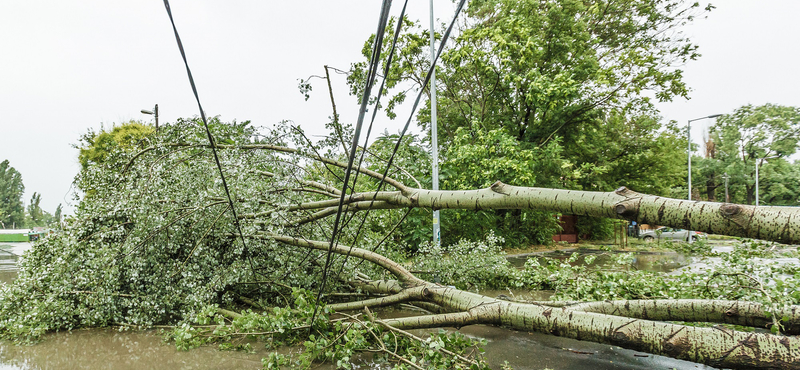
pixel 780 224
pixel 711 188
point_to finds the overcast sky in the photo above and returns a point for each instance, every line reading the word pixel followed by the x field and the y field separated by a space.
pixel 66 66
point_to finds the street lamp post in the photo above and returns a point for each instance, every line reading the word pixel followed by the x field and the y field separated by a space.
pixel 689 140
pixel 154 112
pixel 759 159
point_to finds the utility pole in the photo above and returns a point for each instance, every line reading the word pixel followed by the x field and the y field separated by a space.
pixel 437 238
pixel 689 156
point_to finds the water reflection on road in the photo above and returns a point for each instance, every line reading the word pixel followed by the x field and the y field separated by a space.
pixel 642 260
pixel 110 349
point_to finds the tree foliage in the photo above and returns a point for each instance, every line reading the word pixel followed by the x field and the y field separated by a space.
pixel 96 147
pixel 36 216
pixel 753 136
pixel 12 211
pixel 576 77
pixel 539 68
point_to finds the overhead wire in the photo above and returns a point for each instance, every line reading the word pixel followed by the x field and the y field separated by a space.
pixel 375 60
pixel 389 60
pixel 411 115
pixel 445 36
pixel 208 131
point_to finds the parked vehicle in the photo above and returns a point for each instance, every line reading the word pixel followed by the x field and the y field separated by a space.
pixel 669 233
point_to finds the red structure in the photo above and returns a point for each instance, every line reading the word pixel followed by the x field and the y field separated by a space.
pixel 569 232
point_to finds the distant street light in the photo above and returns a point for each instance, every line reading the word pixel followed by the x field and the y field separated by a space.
pixel 689 139
pixel 726 177
pixel 153 112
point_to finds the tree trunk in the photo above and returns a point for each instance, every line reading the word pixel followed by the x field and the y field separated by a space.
pixel 750 192
pixel 628 324
pixel 711 188
pixel 779 224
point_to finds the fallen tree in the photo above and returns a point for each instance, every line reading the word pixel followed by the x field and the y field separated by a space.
pixel 153 243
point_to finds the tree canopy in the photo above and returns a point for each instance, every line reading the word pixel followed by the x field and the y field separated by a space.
pixel 572 82
pixel 11 189
pixel 753 136
pixel 96 147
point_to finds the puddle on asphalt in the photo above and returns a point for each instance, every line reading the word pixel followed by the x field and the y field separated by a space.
pixel 647 261
pixel 110 349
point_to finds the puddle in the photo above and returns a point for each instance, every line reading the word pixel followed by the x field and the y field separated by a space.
pixel 110 349
pixel 647 261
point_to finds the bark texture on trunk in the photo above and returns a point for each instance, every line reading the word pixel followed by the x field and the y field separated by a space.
pixel 779 224
pixel 715 346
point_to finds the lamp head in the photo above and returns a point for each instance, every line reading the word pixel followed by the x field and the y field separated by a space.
pixel 145 111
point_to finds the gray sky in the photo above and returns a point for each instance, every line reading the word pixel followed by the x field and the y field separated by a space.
pixel 750 55
pixel 66 66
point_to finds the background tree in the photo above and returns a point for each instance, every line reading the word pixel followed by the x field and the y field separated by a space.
pixel 35 213
pixel 556 73
pixel 751 136
pixel 780 183
pixel 11 191
pixel 96 147
pixel 57 216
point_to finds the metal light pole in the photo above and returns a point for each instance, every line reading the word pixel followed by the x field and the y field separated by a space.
pixel 689 140
pixel 153 112
pixel 437 238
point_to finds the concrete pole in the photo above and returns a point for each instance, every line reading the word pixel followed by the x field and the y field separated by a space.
pixel 437 237
pixel 689 139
